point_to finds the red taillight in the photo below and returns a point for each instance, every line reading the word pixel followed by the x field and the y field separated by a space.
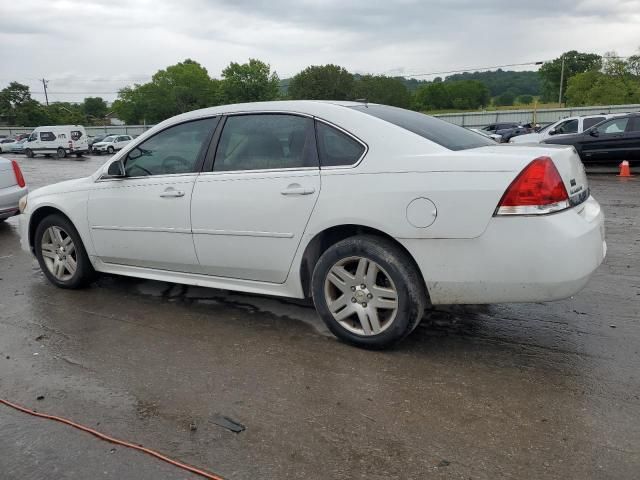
pixel 538 189
pixel 18 173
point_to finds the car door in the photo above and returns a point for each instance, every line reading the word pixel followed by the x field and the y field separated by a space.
pixel 605 142
pixel 632 139
pixel 143 219
pixel 250 210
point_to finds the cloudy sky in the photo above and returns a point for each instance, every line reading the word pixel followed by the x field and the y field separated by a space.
pixel 95 47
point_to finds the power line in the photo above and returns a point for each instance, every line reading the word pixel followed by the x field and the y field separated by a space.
pixel 472 69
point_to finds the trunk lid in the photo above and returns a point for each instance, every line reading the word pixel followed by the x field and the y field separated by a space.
pixel 571 169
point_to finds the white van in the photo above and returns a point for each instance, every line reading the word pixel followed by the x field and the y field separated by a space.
pixel 59 140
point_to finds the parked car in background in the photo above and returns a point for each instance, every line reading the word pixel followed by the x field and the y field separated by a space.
pixel 493 136
pixel 21 136
pixel 564 126
pixel 6 144
pixel 412 211
pixel 613 140
pixel 97 138
pixel 507 130
pixel 59 140
pixel 13 147
pixel 13 187
pixel 111 143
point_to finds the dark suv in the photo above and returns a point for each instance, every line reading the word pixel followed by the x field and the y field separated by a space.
pixel 613 140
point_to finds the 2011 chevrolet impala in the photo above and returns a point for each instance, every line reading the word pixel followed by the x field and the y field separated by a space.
pixel 373 211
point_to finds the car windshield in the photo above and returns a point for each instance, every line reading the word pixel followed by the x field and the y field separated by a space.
pixel 110 138
pixel 438 131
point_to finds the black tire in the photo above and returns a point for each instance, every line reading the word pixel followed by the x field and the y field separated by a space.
pixel 61 153
pixel 84 273
pixel 29 153
pixel 411 294
pixel 110 150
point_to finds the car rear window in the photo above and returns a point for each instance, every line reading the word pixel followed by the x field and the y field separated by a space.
pixel 438 131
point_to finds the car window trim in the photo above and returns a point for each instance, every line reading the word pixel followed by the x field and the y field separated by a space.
pixel 210 160
pixel 124 152
pixel 346 132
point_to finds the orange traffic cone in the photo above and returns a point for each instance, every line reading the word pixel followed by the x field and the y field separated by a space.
pixel 625 171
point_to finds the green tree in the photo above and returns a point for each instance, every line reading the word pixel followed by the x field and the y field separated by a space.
pixel 525 99
pixel 574 63
pixel 505 99
pixel 65 113
pixel 459 95
pixel 432 96
pixel 597 88
pixel 381 89
pixel 249 82
pixel 18 108
pixel 94 107
pixel 327 82
pixel 179 88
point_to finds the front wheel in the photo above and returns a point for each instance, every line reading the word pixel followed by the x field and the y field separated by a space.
pixel 61 153
pixel 110 150
pixel 368 292
pixel 29 153
pixel 61 254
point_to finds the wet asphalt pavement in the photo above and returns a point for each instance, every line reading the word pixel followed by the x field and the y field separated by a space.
pixel 478 392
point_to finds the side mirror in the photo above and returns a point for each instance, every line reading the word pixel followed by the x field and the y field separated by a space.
pixel 116 170
pixel 552 131
pixel 594 132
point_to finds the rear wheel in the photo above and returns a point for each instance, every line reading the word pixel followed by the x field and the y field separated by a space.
pixel 61 153
pixel 29 153
pixel 61 254
pixel 368 292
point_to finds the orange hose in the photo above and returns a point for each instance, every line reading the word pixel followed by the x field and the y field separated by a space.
pixel 107 438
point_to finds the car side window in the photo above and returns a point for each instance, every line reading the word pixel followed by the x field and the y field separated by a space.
pixel 174 150
pixel 570 126
pixel 587 123
pixel 265 141
pixel 76 135
pixel 47 136
pixel 617 125
pixel 336 148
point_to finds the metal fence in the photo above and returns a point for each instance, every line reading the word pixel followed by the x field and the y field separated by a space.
pixel 464 119
pixel 542 116
pixel 92 131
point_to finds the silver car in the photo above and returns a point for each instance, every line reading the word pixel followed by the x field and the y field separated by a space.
pixel 12 188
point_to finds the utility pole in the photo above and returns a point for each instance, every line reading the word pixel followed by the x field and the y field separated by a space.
pixel 44 84
pixel 561 81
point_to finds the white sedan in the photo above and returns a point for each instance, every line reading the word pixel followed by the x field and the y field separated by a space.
pixel 375 212
pixel 111 144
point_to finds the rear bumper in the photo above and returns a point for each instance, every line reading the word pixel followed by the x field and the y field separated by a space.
pixel 517 259
pixel 9 198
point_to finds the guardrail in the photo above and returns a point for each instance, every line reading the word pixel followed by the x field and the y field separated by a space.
pixel 541 116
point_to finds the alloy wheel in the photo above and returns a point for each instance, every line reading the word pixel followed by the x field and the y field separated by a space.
pixel 361 296
pixel 59 253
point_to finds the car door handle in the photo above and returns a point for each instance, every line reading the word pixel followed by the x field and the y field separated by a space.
pixel 171 193
pixel 296 189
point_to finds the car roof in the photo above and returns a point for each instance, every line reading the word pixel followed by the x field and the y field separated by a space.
pixel 310 107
